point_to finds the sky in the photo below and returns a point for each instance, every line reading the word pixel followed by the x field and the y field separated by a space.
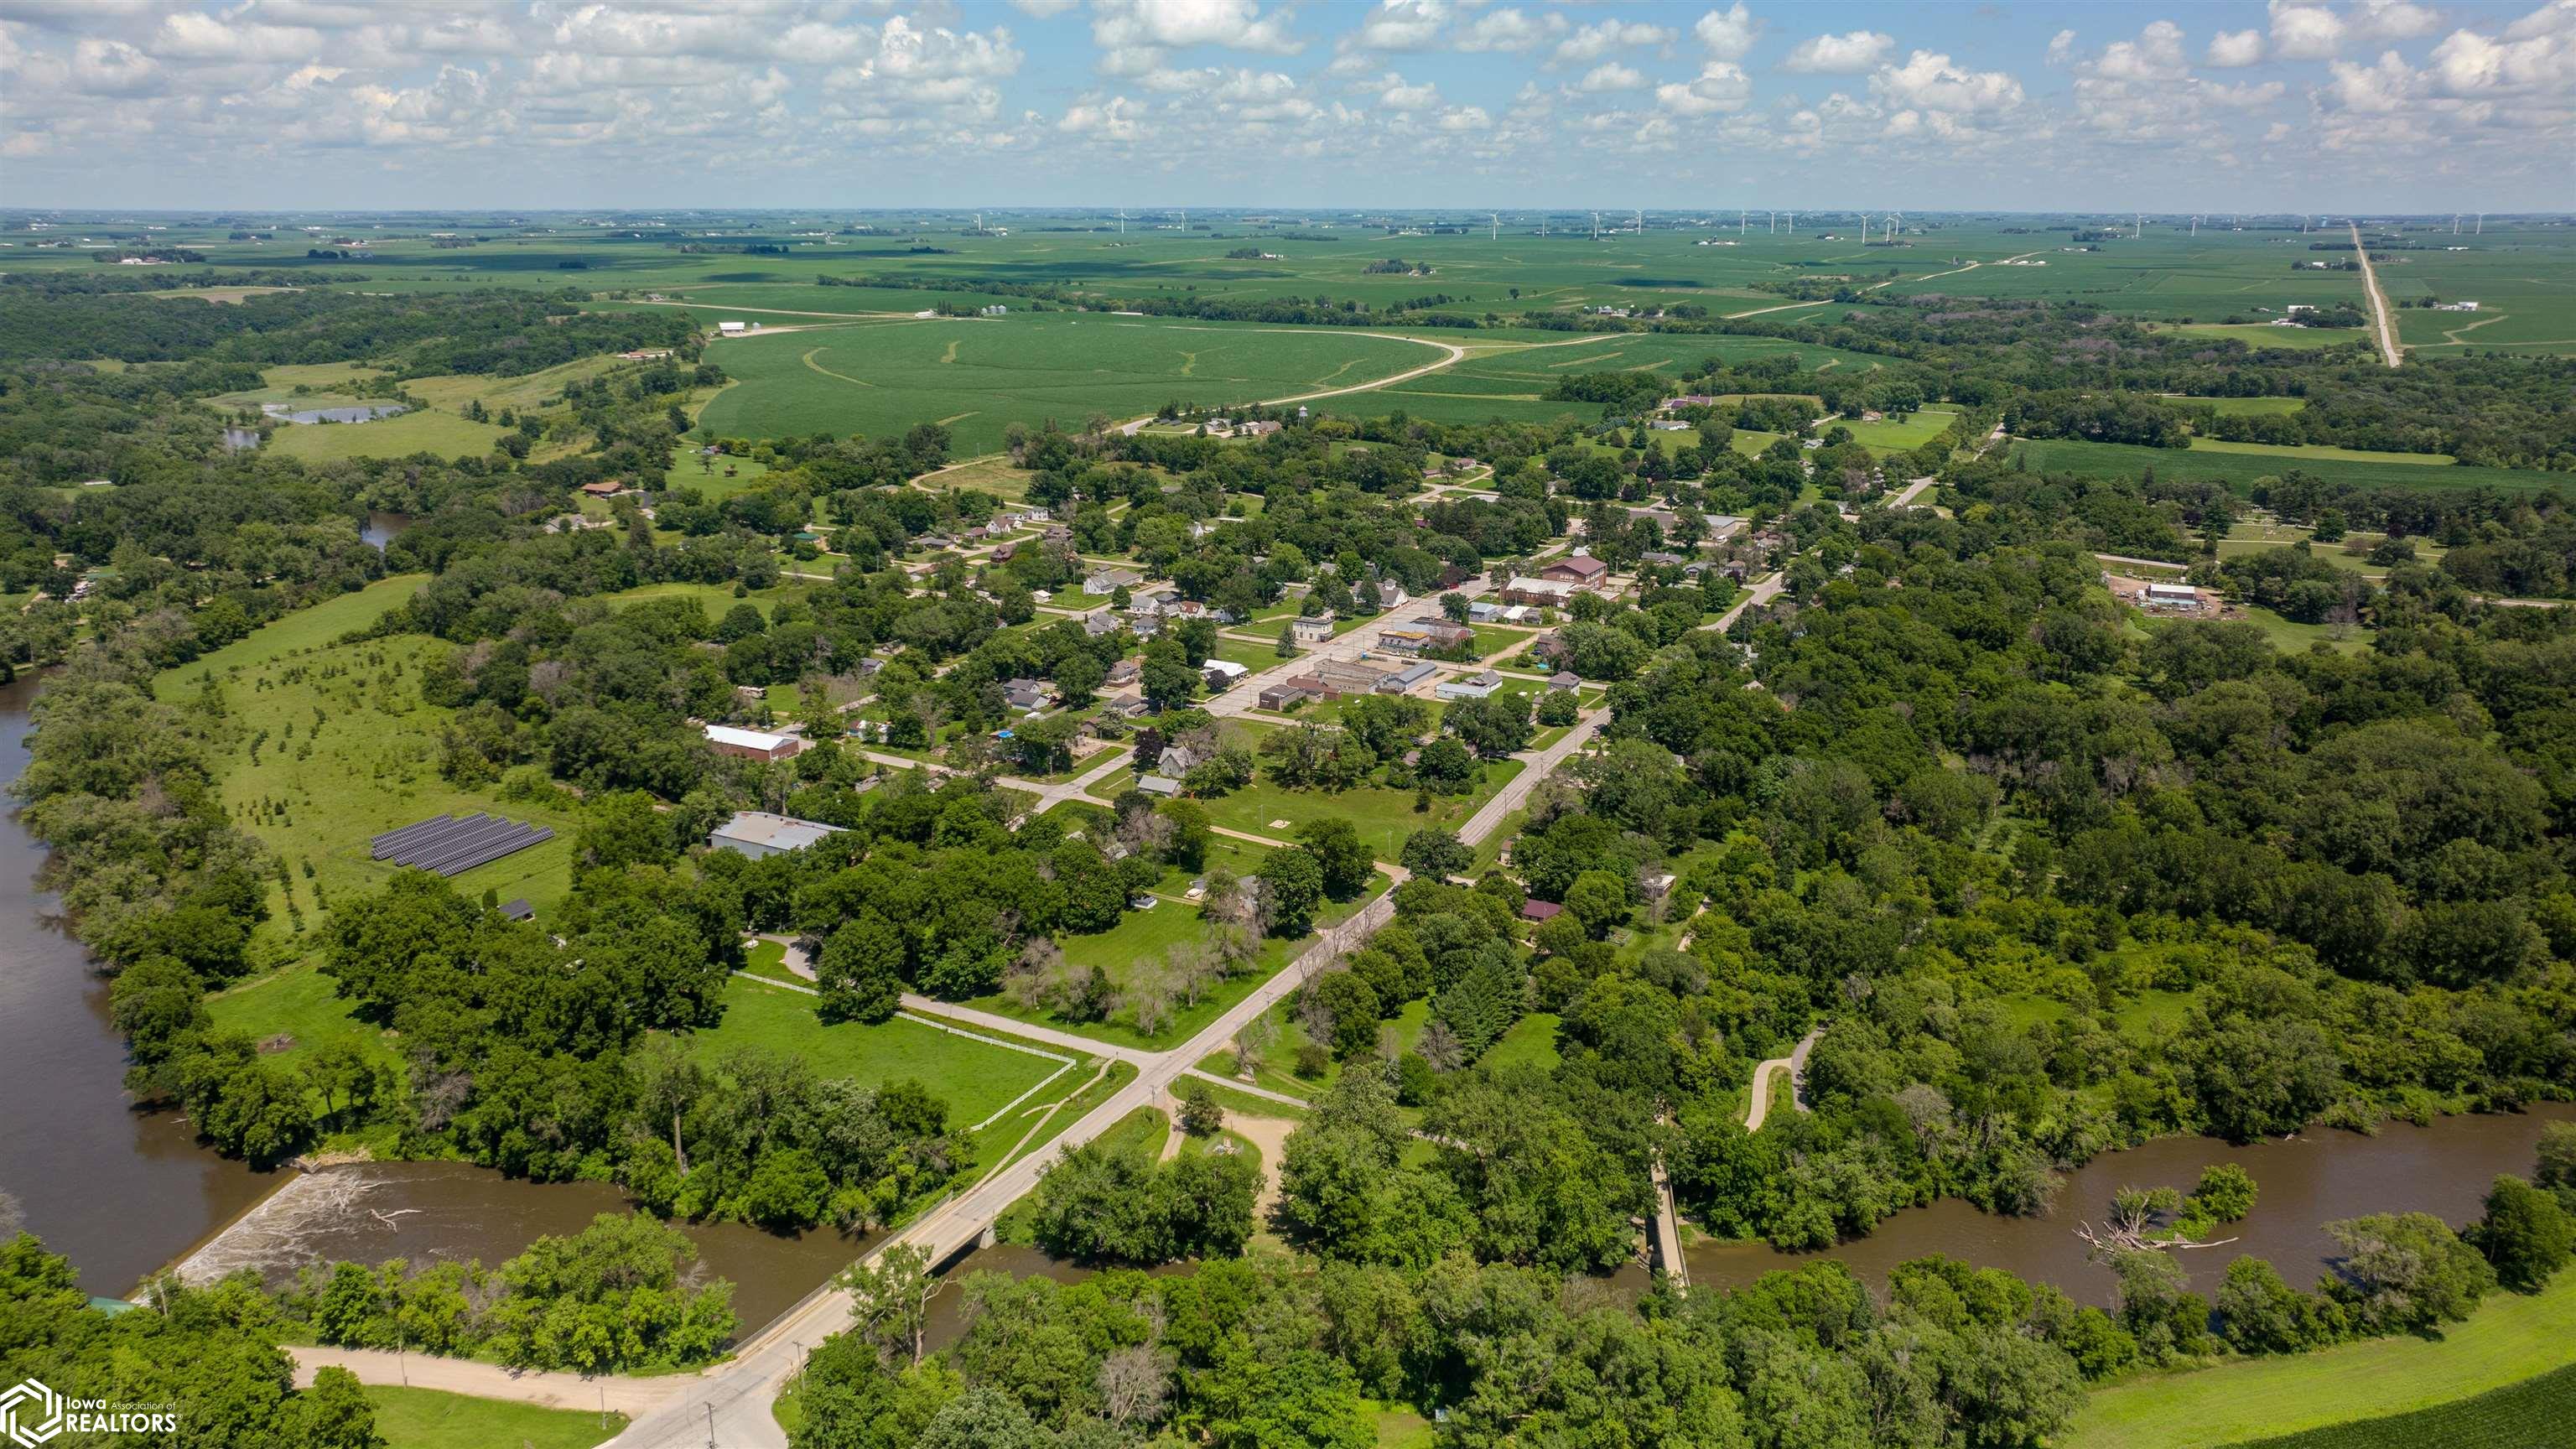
pixel 2372 106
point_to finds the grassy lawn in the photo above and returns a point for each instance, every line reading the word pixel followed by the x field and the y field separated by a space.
pixel 2511 1339
pixel 974 1079
pixel 995 1144
pixel 2239 407
pixel 1896 434
pixel 299 1002
pixel 2239 470
pixel 715 598
pixel 1382 817
pixel 707 475
pixel 429 1419
pixel 2507 1418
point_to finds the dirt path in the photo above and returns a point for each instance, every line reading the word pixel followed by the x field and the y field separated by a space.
pixel 1270 1135
pixel 2381 328
pixel 491 1381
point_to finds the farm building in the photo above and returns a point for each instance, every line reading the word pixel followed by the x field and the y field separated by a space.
pixel 757 833
pixel 752 744
pixel 734 329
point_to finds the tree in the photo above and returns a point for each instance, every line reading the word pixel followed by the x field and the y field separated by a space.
pixel 860 971
pixel 2258 1313
pixel 1285 646
pixel 1493 726
pixel 890 1299
pixel 1436 853
pixel 1455 607
pixel 1300 1399
pixel 983 1418
pixel 1348 1010
pixel 1167 679
pixel 1599 900
pixel 2526 1235
pixel 1292 886
pixel 1201 1116
pixel 621 829
pixel 2225 1195
pixel 337 1413
pixel 1345 858
pixel 2403 1272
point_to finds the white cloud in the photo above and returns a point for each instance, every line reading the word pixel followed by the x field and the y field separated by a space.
pixel 2392 20
pixel 1591 42
pixel 111 68
pixel 2469 64
pixel 1932 81
pixel 1399 25
pixel 1508 29
pixel 1114 119
pixel 2156 55
pixel 2246 97
pixel 204 37
pixel 1043 9
pixel 1722 87
pixel 1174 24
pixel 2229 49
pixel 1398 94
pixel 1855 53
pixel 1610 76
pixel 1728 33
pixel 2061 47
pixel 2377 89
pixel 2305 32
pixel 1465 120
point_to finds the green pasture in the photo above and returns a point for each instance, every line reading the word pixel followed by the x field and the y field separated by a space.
pixel 2510 1339
pixel 2238 407
pixel 2297 454
pixel 1897 434
pixel 2530 1412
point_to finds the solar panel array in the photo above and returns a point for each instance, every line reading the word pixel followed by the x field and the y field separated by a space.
pixel 448 844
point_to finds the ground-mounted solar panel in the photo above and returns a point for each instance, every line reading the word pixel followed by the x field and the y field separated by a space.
pixel 395 843
pixel 531 835
pixel 448 844
pixel 456 842
pixel 457 847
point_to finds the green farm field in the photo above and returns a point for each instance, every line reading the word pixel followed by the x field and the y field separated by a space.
pixel 2527 1413
pixel 976 376
pixel 2239 470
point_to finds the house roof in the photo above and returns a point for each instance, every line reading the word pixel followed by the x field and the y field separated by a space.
pixel 1539 910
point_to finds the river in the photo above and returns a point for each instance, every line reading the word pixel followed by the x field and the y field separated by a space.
pixel 124 1193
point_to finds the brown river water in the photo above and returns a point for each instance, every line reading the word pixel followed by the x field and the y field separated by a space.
pixel 124 1193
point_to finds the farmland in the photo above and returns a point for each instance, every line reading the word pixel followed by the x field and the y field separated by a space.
pixel 976 376
pixel 2239 470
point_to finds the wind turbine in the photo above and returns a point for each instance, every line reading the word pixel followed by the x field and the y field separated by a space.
pixel 2482 225
pixel 1122 221
pixel 1743 219
pixel 1641 221
pixel 1496 224
pixel 1898 222
pixel 1793 223
pixel 2195 226
pixel 1775 222
pixel 1864 228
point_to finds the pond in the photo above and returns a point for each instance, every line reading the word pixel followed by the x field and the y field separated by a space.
pixel 363 413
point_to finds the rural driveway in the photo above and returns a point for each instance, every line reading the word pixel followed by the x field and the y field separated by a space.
pixel 1795 1064
pixel 2382 330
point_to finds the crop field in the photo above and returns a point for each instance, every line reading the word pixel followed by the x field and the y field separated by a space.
pixel 975 376
pixel 2309 452
pixel 1511 380
pixel 2239 470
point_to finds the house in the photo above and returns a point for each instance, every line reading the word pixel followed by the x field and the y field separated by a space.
pixel 1391 595
pixel 1161 785
pixel 1099 623
pixel 1539 593
pixel 1177 760
pixel 1539 911
pixel 1125 671
pixel 1658 886
pixel 1025 693
pixel 1223 674
pixel 2182 598
pixel 1476 686
pixel 1312 628
pixel 1723 526
pixel 758 833
pixel 1286 695
pixel 1261 429
pixel 1483 611
pixel 604 488
pixel 1564 679
pixel 752 744
pixel 1663 560
pixel 1109 581
pixel 1057 533
pixel 1580 570
pixel 1406 678
pixel 2455 306
pixel 1667 425
pixel 1147 626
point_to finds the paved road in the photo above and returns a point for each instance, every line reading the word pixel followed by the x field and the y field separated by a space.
pixel 2382 330
pixel 1795 1064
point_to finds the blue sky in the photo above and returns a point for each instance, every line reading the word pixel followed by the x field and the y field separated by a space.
pixel 2377 105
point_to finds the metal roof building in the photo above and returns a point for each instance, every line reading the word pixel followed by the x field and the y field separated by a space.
pixel 758 833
